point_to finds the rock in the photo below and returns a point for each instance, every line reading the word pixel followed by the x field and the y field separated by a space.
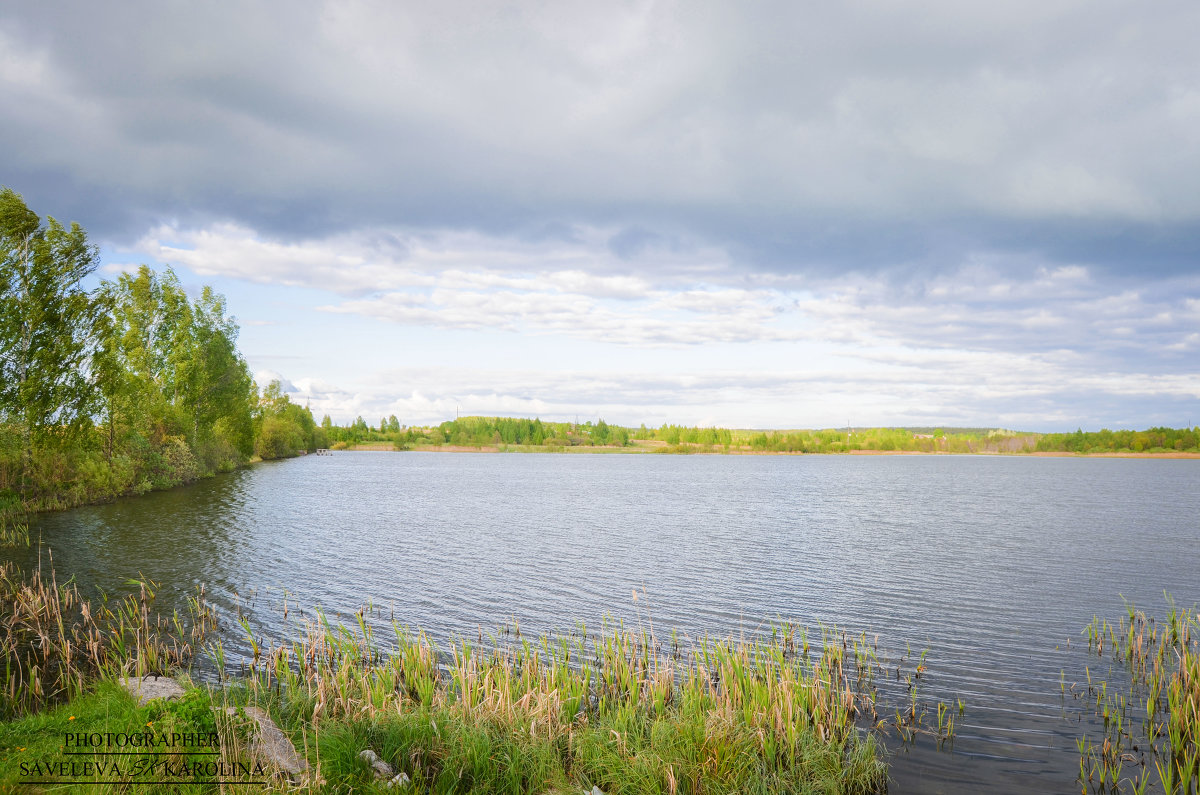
pixel 400 780
pixel 382 768
pixel 596 791
pixel 271 744
pixel 148 688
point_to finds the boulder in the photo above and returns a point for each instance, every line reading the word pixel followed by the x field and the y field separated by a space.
pixel 382 769
pixel 271 744
pixel 148 688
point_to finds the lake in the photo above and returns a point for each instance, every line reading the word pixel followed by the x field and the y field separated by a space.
pixel 990 563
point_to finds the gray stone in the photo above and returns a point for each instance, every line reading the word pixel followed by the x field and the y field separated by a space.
pixel 382 768
pixel 148 688
pixel 401 780
pixel 271 744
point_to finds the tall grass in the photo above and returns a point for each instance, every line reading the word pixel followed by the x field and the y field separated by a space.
pixel 1152 728
pixel 618 709
pixel 14 533
pixel 54 642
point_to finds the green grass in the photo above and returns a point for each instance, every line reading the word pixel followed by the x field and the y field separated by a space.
pixel 441 749
pixel 35 748
pixel 14 533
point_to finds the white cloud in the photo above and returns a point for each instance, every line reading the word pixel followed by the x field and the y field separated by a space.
pixel 914 388
pixel 380 259
pixel 640 325
pixel 117 269
pixel 265 377
pixel 572 285
pixel 472 281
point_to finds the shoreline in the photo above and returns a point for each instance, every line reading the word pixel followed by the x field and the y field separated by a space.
pixel 661 448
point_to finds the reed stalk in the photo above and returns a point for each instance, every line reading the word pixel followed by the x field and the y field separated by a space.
pixel 54 642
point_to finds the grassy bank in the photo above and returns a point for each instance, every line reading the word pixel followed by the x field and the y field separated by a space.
pixel 59 477
pixel 615 710
pixel 49 751
pixel 91 468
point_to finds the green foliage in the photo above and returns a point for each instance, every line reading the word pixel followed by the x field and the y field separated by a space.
pixel 282 428
pixel 678 434
pixel 277 438
pixel 1152 440
pixel 48 324
pixel 171 366
pixel 131 387
pixel 194 709
pixel 173 463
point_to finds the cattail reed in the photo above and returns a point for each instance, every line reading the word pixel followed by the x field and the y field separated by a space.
pixel 1162 660
pixel 54 642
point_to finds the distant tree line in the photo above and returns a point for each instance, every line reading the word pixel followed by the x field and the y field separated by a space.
pixel 831 440
pixel 679 434
pixel 124 388
pixel 478 432
pixel 669 438
pixel 1153 440
pixel 868 439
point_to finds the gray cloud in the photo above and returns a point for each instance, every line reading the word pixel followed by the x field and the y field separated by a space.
pixel 818 137
pixel 979 210
pixel 574 286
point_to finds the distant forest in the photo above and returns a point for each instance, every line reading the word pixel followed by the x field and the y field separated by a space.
pixel 507 432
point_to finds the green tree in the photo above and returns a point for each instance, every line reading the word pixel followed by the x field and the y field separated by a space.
pixel 146 346
pixel 284 428
pixel 215 383
pixel 169 368
pixel 48 323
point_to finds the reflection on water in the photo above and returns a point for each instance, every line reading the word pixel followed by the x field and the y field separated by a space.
pixel 991 563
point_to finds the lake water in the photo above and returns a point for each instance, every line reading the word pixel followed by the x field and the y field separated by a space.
pixel 991 563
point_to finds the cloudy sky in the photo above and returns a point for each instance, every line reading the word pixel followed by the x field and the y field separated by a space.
pixel 749 214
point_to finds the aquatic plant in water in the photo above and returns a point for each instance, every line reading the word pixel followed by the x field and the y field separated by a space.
pixel 1152 726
